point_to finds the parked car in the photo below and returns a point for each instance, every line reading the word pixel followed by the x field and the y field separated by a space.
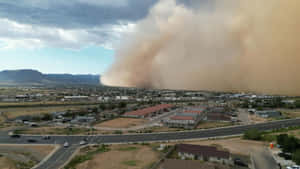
pixel 294 167
pixel 239 162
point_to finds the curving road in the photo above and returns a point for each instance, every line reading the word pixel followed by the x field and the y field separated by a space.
pixel 58 158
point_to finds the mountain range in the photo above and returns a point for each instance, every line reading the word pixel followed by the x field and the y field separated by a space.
pixel 34 77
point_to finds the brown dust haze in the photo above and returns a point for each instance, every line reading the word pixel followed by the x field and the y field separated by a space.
pixel 232 45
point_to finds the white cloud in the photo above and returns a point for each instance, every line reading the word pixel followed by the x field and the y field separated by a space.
pixel 16 35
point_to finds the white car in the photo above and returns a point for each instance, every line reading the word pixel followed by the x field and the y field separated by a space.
pixel 66 145
pixel 294 167
pixel 83 143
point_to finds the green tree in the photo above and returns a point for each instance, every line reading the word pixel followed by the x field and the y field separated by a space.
pixel 122 104
pixel 296 157
pixel 47 117
pixel 281 139
pixel 253 134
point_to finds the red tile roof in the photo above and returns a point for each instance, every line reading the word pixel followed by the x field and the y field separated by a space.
pixel 182 118
pixel 149 110
pixel 193 111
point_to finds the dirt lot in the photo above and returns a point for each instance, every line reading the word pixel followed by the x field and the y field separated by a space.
pixel 207 125
pixel 25 156
pixel 122 123
pixel 54 131
pixel 6 163
pixel 234 145
pixel 255 119
pixel 15 112
pixel 122 157
pixel 291 113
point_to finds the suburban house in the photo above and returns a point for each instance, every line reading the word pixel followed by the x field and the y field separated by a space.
pixel 184 164
pixel 150 111
pixel 268 114
pixel 204 153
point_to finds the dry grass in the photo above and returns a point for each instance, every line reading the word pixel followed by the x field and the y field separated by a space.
pixel 123 157
pixel 54 131
pixel 122 123
pixel 42 150
pixel 234 145
pixel 15 112
pixel 255 119
pixel 6 163
pixel 207 125
pixel 291 113
pixel 27 155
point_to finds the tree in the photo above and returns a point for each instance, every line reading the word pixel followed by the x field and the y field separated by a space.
pixel 296 157
pixel 281 139
pixel 47 117
pixel 122 105
pixel 290 145
pixel 102 106
pixel 253 134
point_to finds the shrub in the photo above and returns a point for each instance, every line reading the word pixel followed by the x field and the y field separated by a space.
pixel 253 134
pixel 296 157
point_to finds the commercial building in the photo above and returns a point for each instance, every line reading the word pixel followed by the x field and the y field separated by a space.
pixel 188 118
pixel 203 153
pixel 150 111
pixel 268 114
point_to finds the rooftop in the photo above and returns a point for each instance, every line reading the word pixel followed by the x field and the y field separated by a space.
pixel 178 117
pixel 205 151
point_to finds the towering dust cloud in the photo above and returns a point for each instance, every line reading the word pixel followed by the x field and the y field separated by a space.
pixel 230 45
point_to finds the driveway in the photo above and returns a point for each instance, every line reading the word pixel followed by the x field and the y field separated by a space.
pixel 262 159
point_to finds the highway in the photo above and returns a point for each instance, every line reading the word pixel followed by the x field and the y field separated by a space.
pixel 64 153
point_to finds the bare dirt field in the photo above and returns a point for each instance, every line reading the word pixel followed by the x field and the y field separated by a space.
pixel 122 157
pixel 255 119
pixel 26 156
pixel 15 112
pixel 234 145
pixel 207 125
pixel 122 123
pixel 6 163
pixel 291 113
pixel 54 131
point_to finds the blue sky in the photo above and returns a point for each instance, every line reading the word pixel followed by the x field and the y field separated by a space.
pixel 88 60
pixel 57 36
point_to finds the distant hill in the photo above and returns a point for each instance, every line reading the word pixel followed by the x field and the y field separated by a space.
pixel 27 77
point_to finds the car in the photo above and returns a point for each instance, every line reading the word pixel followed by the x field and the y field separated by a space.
pixel 31 141
pixel 66 145
pixel 46 137
pixel 293 167
pixel 239 162
pixel 13 135
pixel 83 142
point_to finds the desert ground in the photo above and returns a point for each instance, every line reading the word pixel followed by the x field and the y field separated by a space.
pixel 22 156
pixel 122 157
pixel 15 112
pixel 122 123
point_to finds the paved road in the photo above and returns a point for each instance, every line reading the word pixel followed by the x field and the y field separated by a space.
pixel 59 158
pixel 262 159
pixel 63 154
